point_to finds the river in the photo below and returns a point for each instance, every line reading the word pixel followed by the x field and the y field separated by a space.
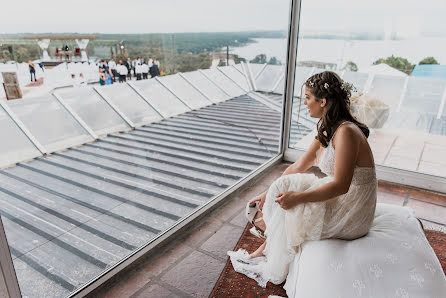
pixel 361 52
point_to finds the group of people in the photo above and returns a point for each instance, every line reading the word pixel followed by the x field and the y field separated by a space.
pixel 109 71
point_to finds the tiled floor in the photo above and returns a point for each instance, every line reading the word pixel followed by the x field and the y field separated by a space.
pixel 190 266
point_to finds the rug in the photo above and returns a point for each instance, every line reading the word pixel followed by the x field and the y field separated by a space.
pixel 233 284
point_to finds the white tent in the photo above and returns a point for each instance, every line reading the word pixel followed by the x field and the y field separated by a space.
pixel 384 69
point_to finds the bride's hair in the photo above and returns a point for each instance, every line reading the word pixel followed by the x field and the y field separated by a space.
pixel 330 86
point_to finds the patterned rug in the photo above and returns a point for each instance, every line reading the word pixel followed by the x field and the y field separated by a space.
pixel 233 284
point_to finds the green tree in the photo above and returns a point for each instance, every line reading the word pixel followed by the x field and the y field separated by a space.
pixel 350 66
pixel 429 60
pixel 399 63
pixel 238 59
pixel 21 55
pixel 260 59
pixel 274 61
pixel 6 56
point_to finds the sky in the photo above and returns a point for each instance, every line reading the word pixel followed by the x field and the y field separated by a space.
pixel 409 17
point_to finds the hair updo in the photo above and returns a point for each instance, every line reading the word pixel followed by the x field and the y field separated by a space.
pixel 330 86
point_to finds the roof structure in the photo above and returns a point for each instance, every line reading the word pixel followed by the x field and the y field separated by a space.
pixel 416 103
pixel 430 71
pixel 384 69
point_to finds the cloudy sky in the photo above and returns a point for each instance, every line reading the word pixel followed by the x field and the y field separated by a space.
pixel 145 16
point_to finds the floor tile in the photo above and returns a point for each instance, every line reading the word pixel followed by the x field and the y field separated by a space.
pixel 379 157
pixel 200 232
pixel 432 168
pixel 427 196
pixel 407 148
pixel 225 239
pixel 267 181
pixel 428 211
pixel 240 220
pixel 253 191
pixel 190 277
pixel 392 188
pixel 155 290
pixel 127 287
pixel 402 162
pixel 165 258
pixel 229 209
pixel 434 153
pixel 391 198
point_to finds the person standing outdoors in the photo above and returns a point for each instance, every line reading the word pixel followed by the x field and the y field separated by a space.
pixel 32 70
pixel 138 71
pixel 134 63
pixel 128 64
pixel 112 66
pixel 123 72
pixel 154 70
pixel 145 71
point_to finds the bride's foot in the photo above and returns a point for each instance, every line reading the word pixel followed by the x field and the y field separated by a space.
pixel 259 251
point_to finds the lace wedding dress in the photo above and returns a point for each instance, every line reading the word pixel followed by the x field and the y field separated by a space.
pixel 348 216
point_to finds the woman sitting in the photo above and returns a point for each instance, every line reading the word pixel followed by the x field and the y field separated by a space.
pixel 300 207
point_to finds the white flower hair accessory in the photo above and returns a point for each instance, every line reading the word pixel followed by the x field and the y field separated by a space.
pixel 346 86
pixel 326 86
pixel 311 84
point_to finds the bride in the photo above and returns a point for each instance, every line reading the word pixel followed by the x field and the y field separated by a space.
pixel 299 207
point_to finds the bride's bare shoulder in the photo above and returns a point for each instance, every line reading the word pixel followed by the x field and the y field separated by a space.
pixel 347 132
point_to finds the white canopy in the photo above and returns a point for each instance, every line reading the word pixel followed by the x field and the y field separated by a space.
pixel 384 69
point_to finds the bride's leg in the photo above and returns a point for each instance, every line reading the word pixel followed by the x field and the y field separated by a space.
pixel 259 251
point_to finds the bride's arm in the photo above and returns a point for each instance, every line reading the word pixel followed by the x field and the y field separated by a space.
pixel 300 166
pixel 306 161
pixel 347 148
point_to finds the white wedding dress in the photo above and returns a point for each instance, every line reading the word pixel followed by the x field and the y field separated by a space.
pixel 348 217
pixel 393 259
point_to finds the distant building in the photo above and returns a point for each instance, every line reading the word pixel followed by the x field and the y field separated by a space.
pixel 317 64
pixel 430 70
pixel 384 69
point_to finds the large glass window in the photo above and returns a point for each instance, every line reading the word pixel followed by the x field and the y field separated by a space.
pixel 86 103
pixel 34 114
pixel 138 143
pixel 206 86
pixel 18 147
pixel 164 101
pixel 132 105
pixel 392 52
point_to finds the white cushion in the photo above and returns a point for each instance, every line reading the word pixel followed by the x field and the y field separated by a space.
pixel 393 260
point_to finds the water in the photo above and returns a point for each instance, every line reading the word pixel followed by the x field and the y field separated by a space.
pixel 362 52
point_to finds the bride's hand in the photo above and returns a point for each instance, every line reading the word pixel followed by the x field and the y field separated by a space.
pixel 257 199
pixel 287 200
